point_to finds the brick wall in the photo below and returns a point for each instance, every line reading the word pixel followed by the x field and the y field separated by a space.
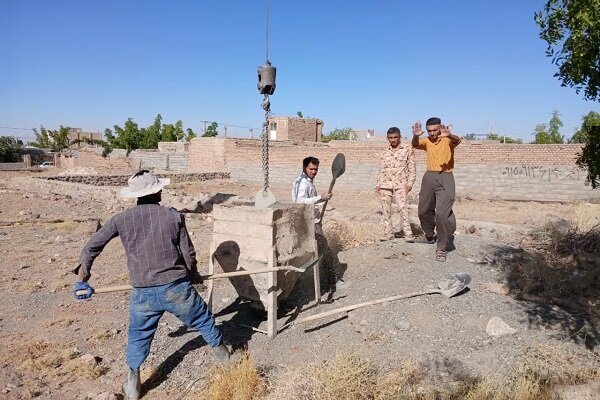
pixel 505 171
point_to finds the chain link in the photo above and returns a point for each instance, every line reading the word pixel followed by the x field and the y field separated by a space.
pixel 266 105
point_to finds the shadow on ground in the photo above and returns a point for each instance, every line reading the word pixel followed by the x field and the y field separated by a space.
pixel 557 276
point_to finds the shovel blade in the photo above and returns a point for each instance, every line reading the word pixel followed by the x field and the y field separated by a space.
pixel 338 167
pixel 454 283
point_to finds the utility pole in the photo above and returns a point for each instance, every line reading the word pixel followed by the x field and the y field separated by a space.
pixel 205 122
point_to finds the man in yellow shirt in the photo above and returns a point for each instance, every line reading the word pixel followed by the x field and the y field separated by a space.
pixel 436 197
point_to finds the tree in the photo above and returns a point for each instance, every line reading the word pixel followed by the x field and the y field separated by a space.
pixel 211 131
pixel 590 157
pixel 503 139
pixel 129 137
pixel 589 121
pixel 339 134
pixel 56 140
pixel 132 137
pixel 299 114
pixel 541 134
pixel 554 128
pixel 190 135
pixel 10 149
pixel 549 134
pixel 571 30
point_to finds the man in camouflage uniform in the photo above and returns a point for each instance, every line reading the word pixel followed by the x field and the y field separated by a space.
pixel 395 180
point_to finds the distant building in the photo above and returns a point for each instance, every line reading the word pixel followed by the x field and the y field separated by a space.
pixel 77 135
pixel 364 134
pixel 295 128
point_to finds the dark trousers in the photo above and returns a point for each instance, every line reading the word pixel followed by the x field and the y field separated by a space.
pixel 436 199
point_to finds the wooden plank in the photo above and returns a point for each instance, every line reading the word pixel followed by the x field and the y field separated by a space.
pixel 317 278
pixel 272 297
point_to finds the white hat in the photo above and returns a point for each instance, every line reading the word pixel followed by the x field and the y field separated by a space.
pixel 143 184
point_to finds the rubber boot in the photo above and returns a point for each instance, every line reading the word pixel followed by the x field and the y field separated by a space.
pixel 133 386
pixel 221 353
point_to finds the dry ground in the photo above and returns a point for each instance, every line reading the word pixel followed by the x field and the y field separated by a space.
pixel 54 347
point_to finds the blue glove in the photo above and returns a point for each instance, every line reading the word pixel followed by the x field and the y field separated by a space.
pixel 83 286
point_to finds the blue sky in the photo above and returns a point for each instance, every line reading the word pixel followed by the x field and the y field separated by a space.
pixel 360 64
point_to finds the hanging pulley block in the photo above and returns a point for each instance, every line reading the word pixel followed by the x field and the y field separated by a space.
pixel 266 79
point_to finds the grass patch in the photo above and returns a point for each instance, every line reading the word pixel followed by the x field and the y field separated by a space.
pixel 342 235
pixel 46 359
pixel 349 377
pixel 240 381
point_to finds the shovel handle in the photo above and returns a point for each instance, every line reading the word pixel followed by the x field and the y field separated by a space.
pixel 120 288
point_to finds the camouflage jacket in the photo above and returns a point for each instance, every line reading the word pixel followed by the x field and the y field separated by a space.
pixel 397 167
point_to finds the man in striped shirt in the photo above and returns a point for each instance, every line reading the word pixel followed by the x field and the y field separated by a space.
pixel 162 265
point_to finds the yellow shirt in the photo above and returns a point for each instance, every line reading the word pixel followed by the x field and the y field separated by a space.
pixel 440 154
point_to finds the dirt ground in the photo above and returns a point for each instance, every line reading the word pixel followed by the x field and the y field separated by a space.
pixel 54 347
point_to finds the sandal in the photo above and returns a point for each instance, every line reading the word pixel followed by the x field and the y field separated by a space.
pixel 440 255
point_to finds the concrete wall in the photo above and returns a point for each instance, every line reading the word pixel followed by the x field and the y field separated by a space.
pixel 504 171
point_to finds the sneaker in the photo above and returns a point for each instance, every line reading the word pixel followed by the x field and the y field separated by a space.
pixel 409 239
pixel 385 238
pixel 133 386
pixel 221 353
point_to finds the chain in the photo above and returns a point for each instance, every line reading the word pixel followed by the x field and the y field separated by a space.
pixel 266 105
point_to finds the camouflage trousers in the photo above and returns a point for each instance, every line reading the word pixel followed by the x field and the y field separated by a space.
pixel 387 196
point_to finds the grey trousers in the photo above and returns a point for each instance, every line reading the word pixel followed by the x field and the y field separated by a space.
pixel 436 199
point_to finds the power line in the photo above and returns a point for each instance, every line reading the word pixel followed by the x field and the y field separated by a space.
pixel 16 129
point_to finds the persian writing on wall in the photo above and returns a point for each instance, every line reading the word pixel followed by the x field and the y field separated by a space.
pixel 543 173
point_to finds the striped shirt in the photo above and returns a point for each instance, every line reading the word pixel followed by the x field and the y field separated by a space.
pixel 156 242
pixel 305 192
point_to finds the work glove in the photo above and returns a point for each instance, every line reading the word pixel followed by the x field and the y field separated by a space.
pixel 83 286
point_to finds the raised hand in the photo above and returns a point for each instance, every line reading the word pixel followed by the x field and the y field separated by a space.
pixel 417 130
pixel 445 131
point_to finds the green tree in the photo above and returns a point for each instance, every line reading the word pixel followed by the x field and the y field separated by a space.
pixel 10 149
pixel 589 121
pixel 189 134
pixel 589 158
pixel 503 139
pixel 571 28
pixel 299 114
pixel 470 136
pixel 554 128
pixel 130 137
pixel 541 134
pixel 211 131
pixel 550 133
pixel 339 134
pixel 56 140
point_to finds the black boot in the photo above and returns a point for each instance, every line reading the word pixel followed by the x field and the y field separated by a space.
pixel 133 386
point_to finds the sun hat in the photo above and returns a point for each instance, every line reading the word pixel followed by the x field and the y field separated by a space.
pixel 143 183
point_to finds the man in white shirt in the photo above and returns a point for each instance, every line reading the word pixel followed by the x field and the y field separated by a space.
pixel 304 190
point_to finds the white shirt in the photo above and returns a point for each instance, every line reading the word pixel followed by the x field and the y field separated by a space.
pixel 305 192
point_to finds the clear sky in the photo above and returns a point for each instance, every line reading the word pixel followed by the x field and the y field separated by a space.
pixel 355 63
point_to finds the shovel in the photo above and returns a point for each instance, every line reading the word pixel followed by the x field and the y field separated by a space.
pixel 452 285
pixel 338 167
pixel 214 276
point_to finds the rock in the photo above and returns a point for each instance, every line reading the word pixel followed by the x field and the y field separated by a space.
pixel 22 213
pixel 402 325
pixel 88 359
pixel 590 391
pixel 497 327
pixel 51 260
pixel 471 229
